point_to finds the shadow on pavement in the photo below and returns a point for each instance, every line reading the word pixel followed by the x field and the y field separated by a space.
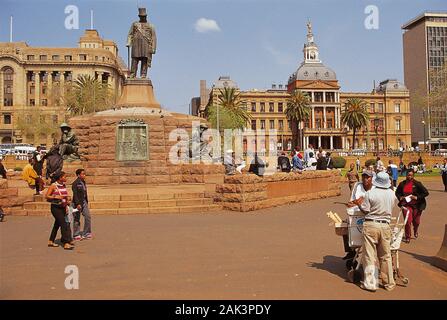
pixel 332 264
pixel 427 259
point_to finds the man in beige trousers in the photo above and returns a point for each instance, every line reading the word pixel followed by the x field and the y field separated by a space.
pixel 377 205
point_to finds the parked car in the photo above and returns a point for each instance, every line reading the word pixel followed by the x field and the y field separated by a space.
pixel 440 152
pixel 358 152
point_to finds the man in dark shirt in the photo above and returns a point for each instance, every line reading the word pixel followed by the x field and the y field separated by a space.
pixel 80 204
pixel 284 163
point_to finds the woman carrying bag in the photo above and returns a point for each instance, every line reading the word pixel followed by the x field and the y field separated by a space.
pixel 411 195
pixel 57 194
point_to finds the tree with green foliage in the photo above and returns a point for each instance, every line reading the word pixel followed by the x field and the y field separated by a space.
pixel 355 115
pixel 34 125
pixel 298 110
pixel 229 109
pixel 88 95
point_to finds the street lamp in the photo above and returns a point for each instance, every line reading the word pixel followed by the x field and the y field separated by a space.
pixel 425 141
pixel 376 129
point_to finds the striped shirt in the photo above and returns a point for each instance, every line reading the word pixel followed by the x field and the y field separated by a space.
pixel 60 190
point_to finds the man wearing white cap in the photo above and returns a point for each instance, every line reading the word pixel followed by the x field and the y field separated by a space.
pixel 377 205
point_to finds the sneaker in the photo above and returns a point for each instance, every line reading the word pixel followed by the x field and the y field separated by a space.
pixel 77 238
pixel 87 236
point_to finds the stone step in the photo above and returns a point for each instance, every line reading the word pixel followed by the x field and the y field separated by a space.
pixel 124 211
pixel 41 205
pixel 146 196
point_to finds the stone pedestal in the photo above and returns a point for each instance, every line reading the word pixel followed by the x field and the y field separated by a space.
pixel 138 93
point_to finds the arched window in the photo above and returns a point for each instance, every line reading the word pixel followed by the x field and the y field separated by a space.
pixel 381 144
pixel 8 85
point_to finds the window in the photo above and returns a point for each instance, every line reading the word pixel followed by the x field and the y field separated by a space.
pixel 330 97
pixel 44 90
pixel 262 124
pixel 372 107
pixel 271 107
pixel 262 106
pixel 380 107
pixel 280 107
pixel 8 85
pixel 318 96
pixel 398 125
pixel 31 90
pixel 253 107
pixel 7 119
pixel 32 102
pixel 272 124
pixel 281 124
pixel 253 124
pixel 30 57
pixel 44 102
pixel 68 58
pixel 83 57
pixel 43 57
pixel 96 58
pixel 55 57
pixel 397 107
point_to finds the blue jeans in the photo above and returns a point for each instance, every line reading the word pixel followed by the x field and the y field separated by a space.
pixel 77 221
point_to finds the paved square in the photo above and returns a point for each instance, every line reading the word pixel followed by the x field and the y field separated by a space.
pixel 289 252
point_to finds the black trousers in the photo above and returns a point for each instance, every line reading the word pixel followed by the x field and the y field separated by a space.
pixel 59 222
pixel 444 180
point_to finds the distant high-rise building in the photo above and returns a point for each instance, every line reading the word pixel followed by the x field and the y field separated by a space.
pixel 425 53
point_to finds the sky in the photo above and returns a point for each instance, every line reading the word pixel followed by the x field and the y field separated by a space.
pixel 255 42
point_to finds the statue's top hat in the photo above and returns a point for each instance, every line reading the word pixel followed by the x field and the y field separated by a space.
pixel 142 12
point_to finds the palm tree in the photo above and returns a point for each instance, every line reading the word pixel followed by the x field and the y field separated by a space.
pixel 230 112
pixel 88 95
pixel 355 115
pixel 298 110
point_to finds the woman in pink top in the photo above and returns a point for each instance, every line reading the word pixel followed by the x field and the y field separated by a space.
pixel 57 194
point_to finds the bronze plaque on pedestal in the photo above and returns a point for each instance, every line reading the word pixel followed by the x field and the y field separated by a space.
pixel 132 141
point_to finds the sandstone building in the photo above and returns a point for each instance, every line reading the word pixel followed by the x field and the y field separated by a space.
pixel 388 105
pixel 34 79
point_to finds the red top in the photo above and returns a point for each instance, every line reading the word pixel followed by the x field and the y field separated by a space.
pixel 408 188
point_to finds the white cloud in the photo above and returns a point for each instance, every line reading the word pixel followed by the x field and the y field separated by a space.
pixel 204 25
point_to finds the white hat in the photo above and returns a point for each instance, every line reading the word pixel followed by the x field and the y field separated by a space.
pixel 382 180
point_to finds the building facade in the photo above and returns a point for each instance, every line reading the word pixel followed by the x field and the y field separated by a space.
pixel 388 106
pixel 33 81
pixel 425 53
pixel 389 118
